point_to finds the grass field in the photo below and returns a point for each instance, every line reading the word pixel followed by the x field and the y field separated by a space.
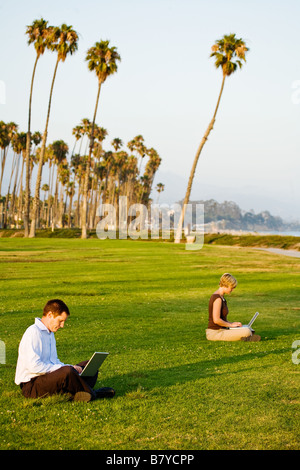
pixel 146 303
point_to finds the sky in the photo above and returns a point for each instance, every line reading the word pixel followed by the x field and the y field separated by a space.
pixel 166 89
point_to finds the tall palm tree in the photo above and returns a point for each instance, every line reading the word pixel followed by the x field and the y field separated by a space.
pixel 228 53
pixel 117 143
pixel 130 177
pixel 37 34
pixel 160 187
pixel 149 174
pixel 6 134
pixel 70 191
pixel 137 144
pixel 18 145
pixel 59 151
pixel 77 165
pixel 64 41
pixel 4 143
pixel 101 59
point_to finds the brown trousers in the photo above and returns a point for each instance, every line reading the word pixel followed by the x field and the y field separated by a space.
pixel 63 380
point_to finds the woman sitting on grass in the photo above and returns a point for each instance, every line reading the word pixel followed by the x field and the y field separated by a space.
pixel 219 328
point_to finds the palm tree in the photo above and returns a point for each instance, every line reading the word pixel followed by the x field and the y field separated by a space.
pixel 228 53
pixel 6 134
pixel 131 172
pixel 103 60
pixel 77 165
pixel 64 41
pixel 37 33
pixel 70 191
pixel 117 143
pixel 149 174
pixel 160 187
pixel 18 145
pixel 64 178
pixel 4 143
pixel 137 144
pixel 59 150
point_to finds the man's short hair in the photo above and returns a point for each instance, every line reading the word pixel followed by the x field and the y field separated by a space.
pixel 55 306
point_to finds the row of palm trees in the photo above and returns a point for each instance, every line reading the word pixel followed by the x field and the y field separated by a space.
pixel 120 171
pixel 99 174
pixel 229 53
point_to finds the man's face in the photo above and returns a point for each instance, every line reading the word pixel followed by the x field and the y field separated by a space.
pixel 55 323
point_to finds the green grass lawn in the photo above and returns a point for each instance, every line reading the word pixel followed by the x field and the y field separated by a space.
pixel 146 303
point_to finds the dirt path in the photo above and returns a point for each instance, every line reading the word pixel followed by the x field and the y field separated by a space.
pixel 279 251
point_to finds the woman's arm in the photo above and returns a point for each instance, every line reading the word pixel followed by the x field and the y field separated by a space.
pixel 217 306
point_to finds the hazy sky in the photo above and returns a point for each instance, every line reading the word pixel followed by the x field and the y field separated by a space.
pixel 166 89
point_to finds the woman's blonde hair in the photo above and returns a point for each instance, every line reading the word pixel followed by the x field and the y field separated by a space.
pixel 227 280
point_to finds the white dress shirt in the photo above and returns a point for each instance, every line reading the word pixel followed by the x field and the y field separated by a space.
pixel 37 353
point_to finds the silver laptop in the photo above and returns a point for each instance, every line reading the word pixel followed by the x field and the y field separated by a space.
pixel 94 363
pixel 249 324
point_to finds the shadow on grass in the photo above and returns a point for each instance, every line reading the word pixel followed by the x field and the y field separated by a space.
pixel 138 383
pixel 182 374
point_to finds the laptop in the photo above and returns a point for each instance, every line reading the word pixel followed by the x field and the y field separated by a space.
pixel 94 363
pixel 249 324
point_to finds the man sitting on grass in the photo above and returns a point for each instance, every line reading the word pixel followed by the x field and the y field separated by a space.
pixel 40 373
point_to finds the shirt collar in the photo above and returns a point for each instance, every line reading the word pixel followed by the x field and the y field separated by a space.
pixel 38 322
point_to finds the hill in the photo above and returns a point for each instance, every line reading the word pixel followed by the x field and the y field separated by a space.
pixel 229 216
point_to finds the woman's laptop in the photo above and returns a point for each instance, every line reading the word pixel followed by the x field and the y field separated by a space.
pixel 94 363
pixel 249 324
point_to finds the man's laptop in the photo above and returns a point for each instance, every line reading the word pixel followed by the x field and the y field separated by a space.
pixel 94 363
pixel 250 322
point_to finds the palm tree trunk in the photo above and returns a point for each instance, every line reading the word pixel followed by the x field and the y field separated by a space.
pixel 87 172
pixel 20 192
pixel 28 139
pixel 3 159
pixel 78 208
pixel 70 209
pixel 41 162
pixel 6 214
pixel 16 177
pixel 54 202
pixel 193 170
